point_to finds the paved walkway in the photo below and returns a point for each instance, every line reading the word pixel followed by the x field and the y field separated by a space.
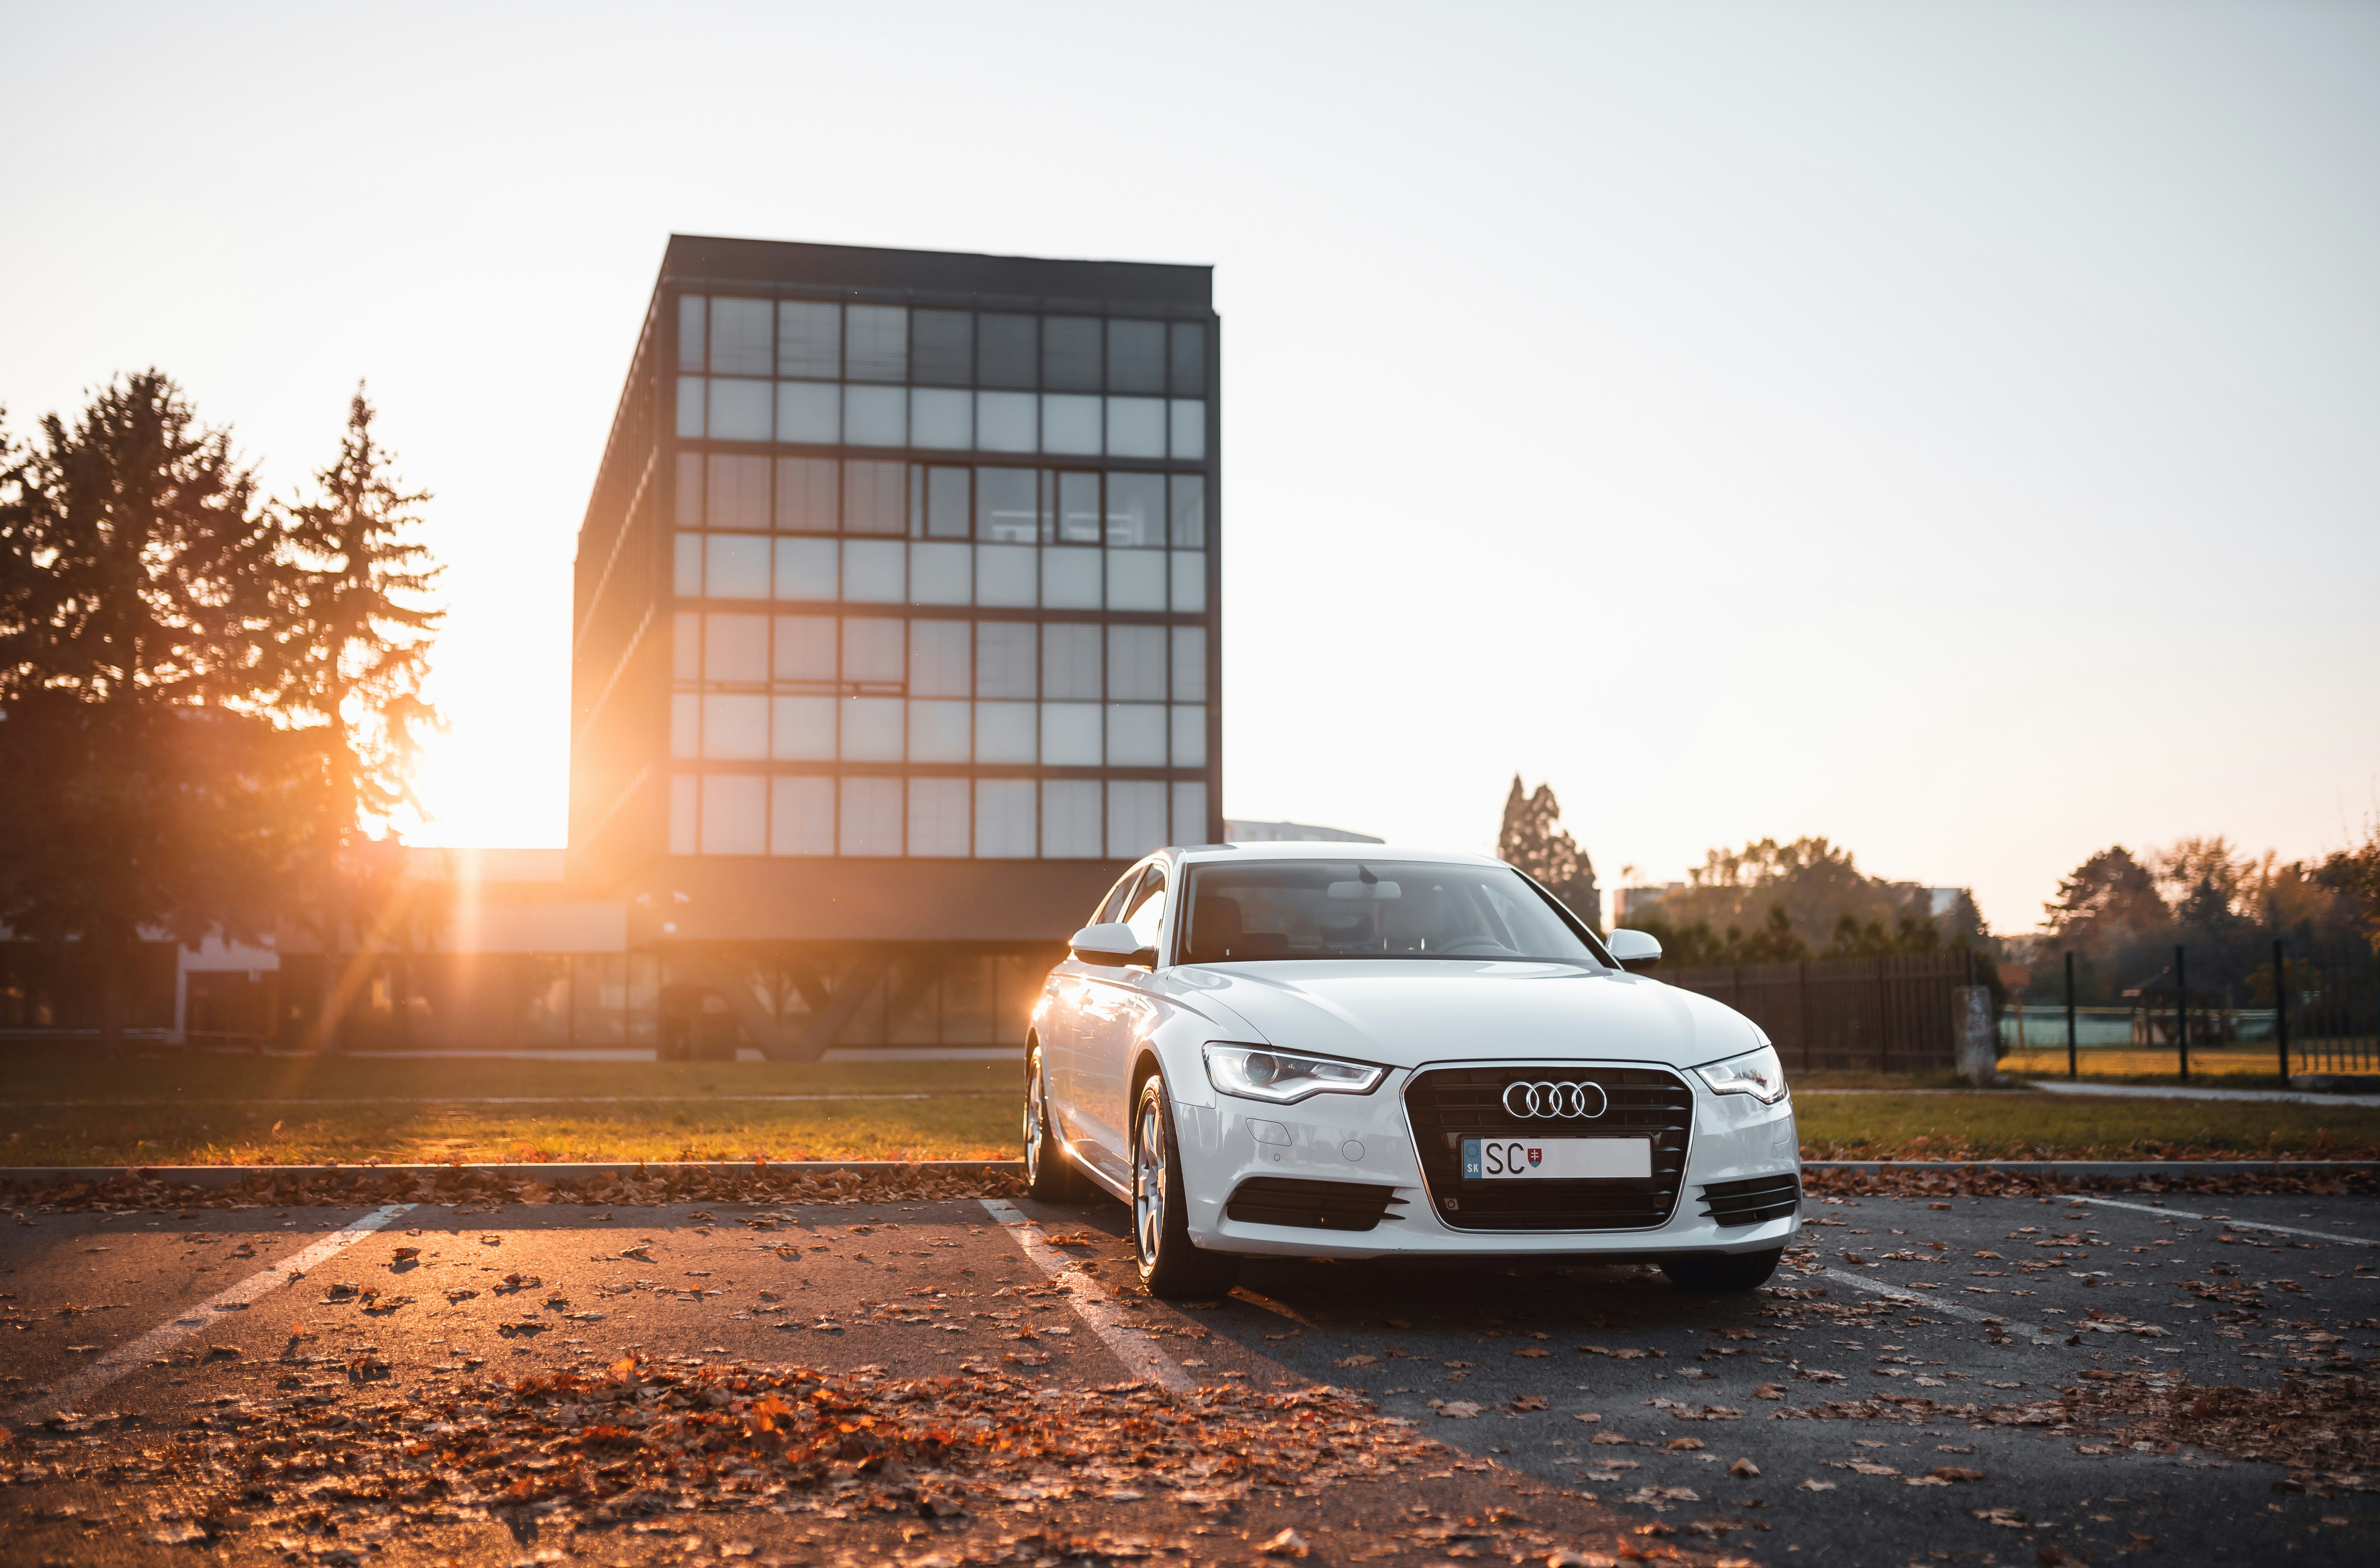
pixel 2153 1091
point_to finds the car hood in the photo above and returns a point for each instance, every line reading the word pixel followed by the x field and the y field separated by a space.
pixel 1402 1014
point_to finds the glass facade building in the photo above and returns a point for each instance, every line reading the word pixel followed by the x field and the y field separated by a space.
pixel 896 620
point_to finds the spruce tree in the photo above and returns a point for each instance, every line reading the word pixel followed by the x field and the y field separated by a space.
pixel 141 789
pixel 1532 838
pixel 355 613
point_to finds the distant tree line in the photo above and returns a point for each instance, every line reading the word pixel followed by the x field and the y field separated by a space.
pixel 210 699
pixel 2122 915
pixel 1782 902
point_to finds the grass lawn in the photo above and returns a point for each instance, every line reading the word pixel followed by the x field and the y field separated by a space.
pixel 189 1109
pixel 198 1110
pixel 2043 1127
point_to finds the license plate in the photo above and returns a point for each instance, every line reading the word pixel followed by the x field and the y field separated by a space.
pixel 1568 1160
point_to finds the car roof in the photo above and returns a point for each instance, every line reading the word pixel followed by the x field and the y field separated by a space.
pixel 1323 849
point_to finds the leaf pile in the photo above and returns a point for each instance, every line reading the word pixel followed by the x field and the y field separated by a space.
pixel 486 1188
pixel 2002 1181
pixel 641 1439
pixel 2326 1431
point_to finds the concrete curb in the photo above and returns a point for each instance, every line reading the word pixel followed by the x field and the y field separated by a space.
pixel 2174 1168
pixel 233 1175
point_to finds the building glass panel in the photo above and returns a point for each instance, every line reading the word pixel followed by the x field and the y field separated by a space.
pixel 809 340
pixel 1136 356
pixel 872 816
pixel 1005 813
pixel 742 339
pixel 1071 825
pixel 1070 579
pixel 808 568
pixel 1070 353
pixel 1070 424
pixel 1008 350
pixel 801 815
pixel 734 814
pixel 941 347
pixel 806 488
pixel 876 343
pixel 809 413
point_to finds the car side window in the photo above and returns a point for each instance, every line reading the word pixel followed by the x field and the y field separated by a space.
pixel 1110 908
pixel 1146 910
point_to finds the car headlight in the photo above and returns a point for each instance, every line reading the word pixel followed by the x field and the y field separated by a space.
pixel 1759 1075
pixel 1285 1077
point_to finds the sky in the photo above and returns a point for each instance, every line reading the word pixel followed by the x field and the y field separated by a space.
pixel 1953 429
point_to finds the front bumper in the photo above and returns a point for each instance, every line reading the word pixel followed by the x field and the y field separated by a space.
pixel 1367 1140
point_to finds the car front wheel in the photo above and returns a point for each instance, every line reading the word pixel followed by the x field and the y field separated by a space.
pixel 1171 1266
pixel 1722 1271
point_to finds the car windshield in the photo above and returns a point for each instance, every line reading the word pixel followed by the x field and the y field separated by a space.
pixel 1258 910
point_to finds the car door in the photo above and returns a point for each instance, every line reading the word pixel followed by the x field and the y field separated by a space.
pixel 1118 1009
pixel 1071 991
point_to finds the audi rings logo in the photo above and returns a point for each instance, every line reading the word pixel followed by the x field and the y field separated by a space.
pixel 1559 1102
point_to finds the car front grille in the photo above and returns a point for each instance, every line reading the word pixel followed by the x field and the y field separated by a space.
pixel 1448 1104
pixel 1310 1205
pixel 1752 1201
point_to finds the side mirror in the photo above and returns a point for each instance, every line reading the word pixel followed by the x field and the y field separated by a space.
pixel 1636 951
pixel 1113 944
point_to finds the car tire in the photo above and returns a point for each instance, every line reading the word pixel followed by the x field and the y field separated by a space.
pixel 1171 1265
pixel 1722 1271
pixel 1048 1175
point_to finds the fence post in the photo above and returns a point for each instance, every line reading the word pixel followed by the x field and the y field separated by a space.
pixel 2181 1009
pixel 1802 1005
pixel 1883 1019
pixel 2281 1007
pixel 2070 1069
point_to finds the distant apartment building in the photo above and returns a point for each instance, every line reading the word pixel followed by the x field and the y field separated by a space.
pixel 1239 830
pixel 896 627
pixel 1638 901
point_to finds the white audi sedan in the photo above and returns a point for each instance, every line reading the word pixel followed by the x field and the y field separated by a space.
pixel 1307 1050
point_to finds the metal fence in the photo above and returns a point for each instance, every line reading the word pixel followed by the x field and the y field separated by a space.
pixel 2325 1020
pixel 1885 1014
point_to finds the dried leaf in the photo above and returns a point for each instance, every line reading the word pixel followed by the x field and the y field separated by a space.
pixel 1458 1410
pixel 1743 1470
pixel 1769 1391
pixel 1526 1403
pixel 1289 1543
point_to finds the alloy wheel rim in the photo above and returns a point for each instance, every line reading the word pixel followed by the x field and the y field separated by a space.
pixel 1148 1189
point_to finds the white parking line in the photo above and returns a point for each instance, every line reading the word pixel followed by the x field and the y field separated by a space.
pixel 69 1393
pixel 1104 1313
pixel 1917 1298
pixel 2235 1224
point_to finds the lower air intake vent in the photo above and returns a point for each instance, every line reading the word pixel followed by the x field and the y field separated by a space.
pixel 1749 1202
pixel 1312 1206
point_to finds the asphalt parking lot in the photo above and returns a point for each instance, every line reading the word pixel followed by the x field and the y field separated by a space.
pixel 1894 1401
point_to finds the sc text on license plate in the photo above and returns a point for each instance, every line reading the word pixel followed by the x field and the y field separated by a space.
pixel 1498 1159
